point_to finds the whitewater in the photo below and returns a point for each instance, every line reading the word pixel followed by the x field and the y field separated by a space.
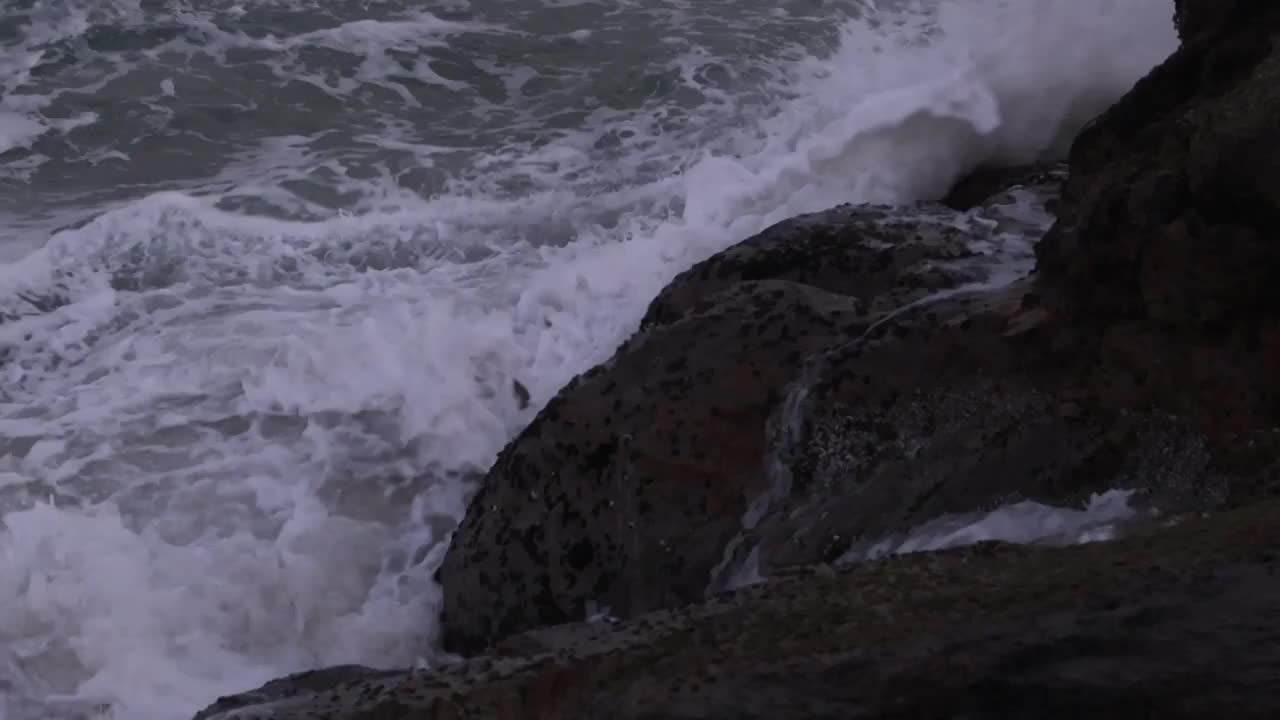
pixel 271 271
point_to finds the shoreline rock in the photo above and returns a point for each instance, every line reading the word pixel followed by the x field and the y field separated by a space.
pixel 1176 623
pixel 624 493
pixel 1161 263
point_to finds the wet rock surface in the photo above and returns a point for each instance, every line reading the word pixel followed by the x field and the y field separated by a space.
pixel 951 408
pixel 979 186
pixel 624 492
pixel 1163 261
pixel 1174 623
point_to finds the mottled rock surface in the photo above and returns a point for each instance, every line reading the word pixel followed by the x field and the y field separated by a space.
pixel 624 492
pixel 1163 263
pixel 1179 623
pixel 964 405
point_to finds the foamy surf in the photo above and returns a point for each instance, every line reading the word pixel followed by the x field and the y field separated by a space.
pixel 1103 517
pixel 231 445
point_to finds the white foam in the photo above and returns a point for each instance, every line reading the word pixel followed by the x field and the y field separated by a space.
pixel 18 131
pixel 1105 517
pixel 252 428
pixel 19 125
pixel 903 112
pixel 70 585
pixel 1026 522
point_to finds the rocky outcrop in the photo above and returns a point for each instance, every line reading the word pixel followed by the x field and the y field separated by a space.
pixel 983 183
pixel 1164 260
pixel 1195 18
pixel 962 406
pixel 623 494
pixel 1177 624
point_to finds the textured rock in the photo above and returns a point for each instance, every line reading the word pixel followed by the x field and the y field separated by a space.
pixel 964 405
pixel 1171 187
pixel 1177 623
pixel 979 186
pixel 1163 262
pixel 948 407
pixel 1202 17
pixel 624 491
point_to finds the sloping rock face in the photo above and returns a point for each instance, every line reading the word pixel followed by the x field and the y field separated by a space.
pixel 1179 623
pixel 625 490
pixel 949 408
pixel 1164 260
pixel 986 182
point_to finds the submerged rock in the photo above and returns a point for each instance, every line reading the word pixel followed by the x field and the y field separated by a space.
pixel 1177 623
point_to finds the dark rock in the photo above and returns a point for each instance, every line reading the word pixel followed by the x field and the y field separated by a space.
pixel 623 492
pixel 1163 260
pixel 870 253
pixel 627 471
pixel 979 186
pixel 962 405
pixel 282 689
pixel 942 409
pixel 521 394
pixel 1175 623
pixel 1195 18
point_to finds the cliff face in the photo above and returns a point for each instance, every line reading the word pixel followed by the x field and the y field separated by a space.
pixel 1164 258
pixel 852 374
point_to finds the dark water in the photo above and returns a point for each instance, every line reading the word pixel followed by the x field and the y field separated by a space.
pixel 337 105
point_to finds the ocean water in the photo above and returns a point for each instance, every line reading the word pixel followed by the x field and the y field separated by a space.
pixel 270 268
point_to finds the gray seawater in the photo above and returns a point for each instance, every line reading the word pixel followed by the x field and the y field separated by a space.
pixel 304 109
pixel 268 269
